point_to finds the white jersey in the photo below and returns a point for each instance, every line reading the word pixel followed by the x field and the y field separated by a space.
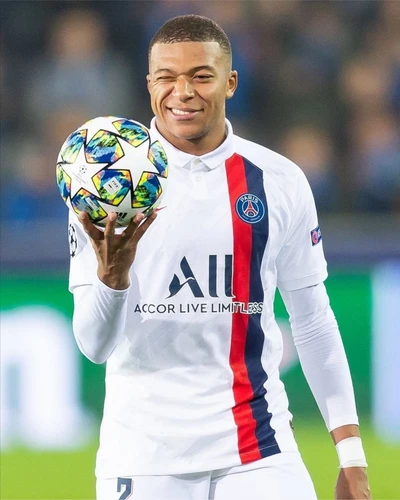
pixel 194 384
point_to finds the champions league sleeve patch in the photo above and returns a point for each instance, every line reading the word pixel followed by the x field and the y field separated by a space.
pixel 316 236
pixel 76 239
pixel 72 240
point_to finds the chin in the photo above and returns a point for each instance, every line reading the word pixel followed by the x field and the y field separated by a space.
pixel 189 134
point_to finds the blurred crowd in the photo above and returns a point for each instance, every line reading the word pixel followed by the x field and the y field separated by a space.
pixel 319 82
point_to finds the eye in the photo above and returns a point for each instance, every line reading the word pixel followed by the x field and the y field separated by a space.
pixel 164 78
pixel 203 77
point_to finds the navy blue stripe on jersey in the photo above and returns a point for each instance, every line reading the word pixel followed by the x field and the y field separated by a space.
pixel 255 336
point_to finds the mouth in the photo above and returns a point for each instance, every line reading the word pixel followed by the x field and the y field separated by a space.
pixel 183 114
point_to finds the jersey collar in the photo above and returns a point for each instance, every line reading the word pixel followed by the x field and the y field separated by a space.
pixel 210 160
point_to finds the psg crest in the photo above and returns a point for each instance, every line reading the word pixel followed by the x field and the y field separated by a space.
pixel 250 208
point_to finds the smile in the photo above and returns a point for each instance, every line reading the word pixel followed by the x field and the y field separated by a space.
pixel 183 114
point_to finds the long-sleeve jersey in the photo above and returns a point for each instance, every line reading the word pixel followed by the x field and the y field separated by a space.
pixel 192 347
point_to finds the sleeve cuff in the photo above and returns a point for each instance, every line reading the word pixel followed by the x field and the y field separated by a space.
pixel 110 291
pixel 349 419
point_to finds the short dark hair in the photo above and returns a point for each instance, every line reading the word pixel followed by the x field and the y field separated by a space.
pixel 192 28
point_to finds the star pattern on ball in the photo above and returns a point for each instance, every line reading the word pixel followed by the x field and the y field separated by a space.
pixel 81 172
pixel 109 165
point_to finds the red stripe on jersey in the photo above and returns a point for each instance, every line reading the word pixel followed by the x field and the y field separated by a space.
pixel 242 249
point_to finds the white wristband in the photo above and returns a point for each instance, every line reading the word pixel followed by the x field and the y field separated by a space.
pixel 351 453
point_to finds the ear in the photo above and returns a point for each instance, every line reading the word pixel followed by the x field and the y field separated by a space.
pixel 148 79
pixel 232 84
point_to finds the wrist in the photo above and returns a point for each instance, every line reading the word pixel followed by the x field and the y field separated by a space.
pixel 351 453
pixel 113 281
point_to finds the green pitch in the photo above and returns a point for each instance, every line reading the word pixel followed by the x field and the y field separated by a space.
pixel 27 475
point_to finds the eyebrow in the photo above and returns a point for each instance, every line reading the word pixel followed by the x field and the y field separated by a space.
pixel 192 70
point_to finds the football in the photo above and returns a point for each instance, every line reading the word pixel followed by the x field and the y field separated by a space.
pixel 111 164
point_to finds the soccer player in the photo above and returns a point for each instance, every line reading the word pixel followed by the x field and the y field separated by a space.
pixel 180 305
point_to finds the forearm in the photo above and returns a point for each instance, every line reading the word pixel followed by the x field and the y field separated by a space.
pixel 99 319
pixel 322 356
pixel 326 369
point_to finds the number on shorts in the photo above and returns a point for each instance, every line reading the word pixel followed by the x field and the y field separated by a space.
pixel 124 482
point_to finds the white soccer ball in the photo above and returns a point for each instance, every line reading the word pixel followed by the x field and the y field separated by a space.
pixel 111 164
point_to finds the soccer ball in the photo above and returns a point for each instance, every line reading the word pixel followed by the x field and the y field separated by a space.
pixel 111 164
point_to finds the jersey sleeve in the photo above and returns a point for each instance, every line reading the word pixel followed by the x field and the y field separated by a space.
pixel 99 319
pixel 322 356
pixel 83 261
pixel 301 262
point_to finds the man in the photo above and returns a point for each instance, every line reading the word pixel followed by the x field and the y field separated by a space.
pixel 194 405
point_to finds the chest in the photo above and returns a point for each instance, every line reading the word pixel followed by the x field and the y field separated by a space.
pixel 194 214
pixel 213 212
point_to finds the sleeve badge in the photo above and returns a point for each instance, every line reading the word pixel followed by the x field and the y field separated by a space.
pixel 316 236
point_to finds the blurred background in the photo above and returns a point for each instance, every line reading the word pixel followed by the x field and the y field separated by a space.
pixel 319 82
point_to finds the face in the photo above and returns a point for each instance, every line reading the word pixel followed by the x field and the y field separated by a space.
pixel 189 83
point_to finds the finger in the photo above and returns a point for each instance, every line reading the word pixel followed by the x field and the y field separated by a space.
pixel 145 226
pixel 138 218
pixel 109 230
pixel 133 225
pixel 90 229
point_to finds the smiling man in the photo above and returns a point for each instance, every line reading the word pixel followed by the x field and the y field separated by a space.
pixel 181 306
pixel 189 82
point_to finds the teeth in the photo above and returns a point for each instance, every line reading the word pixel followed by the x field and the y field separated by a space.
pixel 180 112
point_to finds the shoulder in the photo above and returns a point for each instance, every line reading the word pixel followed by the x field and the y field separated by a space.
pixel 276 167
pixel 283 180
pixel 267 160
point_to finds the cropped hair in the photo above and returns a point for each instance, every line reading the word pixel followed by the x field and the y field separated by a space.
pixel 192 28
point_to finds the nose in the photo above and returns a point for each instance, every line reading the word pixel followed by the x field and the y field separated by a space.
pixel 183 89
